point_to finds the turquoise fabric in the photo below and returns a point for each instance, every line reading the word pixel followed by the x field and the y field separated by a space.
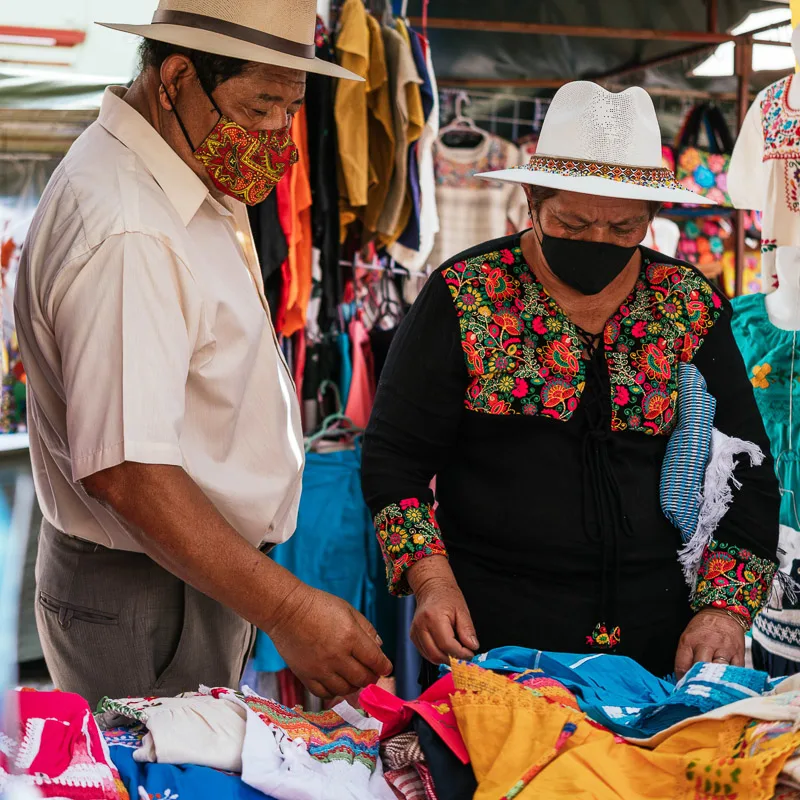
pixel 622 695
pixel 334 547
pixel 767 353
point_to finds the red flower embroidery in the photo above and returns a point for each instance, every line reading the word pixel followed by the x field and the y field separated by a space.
pixel 639 329
pixel 622 396
pixel 652 361
pixel 556 392
pixel 560 356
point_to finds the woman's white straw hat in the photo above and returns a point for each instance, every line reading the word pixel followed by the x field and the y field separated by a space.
pixel 279 32
pixel 602 143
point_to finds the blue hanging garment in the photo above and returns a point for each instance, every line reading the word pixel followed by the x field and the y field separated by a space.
pixel 334 547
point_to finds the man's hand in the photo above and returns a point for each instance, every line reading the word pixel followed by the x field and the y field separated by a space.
pixel 713 637
pixel 442 625
pixel 330 646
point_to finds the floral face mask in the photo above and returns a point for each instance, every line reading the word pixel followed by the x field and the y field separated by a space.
pixel 245 165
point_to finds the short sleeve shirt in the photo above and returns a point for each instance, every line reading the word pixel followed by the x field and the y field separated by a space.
pixel 146 337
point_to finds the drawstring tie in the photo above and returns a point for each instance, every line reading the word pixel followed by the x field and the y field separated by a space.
pixel 603 508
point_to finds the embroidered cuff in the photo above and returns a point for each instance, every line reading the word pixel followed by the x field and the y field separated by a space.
pixel 407 532
pixel 734 579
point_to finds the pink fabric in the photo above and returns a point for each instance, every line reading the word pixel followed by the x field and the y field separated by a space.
pixel 362 386
pixel 60 750
pixel 433 706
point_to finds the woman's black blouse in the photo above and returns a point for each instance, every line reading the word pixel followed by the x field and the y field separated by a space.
pixel 547 485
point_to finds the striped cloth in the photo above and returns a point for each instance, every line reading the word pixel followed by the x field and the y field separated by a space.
pixel 688 451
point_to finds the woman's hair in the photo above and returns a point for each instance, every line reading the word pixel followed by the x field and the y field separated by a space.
pixel 212 71
pixel 538 194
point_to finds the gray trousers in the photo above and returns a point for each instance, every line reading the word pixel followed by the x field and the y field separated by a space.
pixel 115 624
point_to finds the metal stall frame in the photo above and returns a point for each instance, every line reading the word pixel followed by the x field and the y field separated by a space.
pixel 699 43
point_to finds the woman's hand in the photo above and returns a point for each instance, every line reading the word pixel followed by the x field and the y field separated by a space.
pixel 712 636
pixel 442 625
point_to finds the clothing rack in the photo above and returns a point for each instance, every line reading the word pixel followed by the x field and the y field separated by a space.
pixel 392 270
pixel 527 112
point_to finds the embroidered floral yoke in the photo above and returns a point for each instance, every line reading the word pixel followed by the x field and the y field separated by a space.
pixel 547 456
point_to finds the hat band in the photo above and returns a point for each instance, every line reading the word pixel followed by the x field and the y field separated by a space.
pixel 188 19
pixel 653 177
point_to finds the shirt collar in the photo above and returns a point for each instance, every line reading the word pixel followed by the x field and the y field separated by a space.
pixel 182 187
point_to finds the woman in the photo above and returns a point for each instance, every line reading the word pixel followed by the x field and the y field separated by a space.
pixel 536 379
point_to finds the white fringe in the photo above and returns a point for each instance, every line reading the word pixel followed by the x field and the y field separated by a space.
pixel 716 497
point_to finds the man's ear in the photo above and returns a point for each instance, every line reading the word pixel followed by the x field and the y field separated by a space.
pixel 175 72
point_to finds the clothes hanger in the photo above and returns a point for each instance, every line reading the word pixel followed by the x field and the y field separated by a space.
pixel 461 131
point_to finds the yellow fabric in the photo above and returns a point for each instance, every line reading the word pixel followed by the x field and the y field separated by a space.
pixel 416 124
pixel 518 750
pixel 350 110
pixel 381 128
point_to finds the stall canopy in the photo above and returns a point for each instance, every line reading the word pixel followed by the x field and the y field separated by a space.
pixel 497 42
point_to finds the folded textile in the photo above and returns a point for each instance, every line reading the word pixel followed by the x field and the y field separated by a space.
pixel 427 782
pixel 450 779
pixel 525 747
pixel 295 755
pixel 433 705
pixel 58 749
pixel 193 728
pixel 406 783
pixel 401 751
pixel 148 781
pixel 617 692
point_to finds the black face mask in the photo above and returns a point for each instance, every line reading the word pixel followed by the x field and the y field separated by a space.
pixel 587 267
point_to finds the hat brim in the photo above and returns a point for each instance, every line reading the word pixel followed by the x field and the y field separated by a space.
pixel 601 187
pixel 220 45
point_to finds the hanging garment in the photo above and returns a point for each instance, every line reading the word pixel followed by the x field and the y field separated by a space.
pixel 194 729
pixel 270 243
pixel 429 216
pixel 764 172
pixel 295 755
pixel 300 243
pixel 334 547
pixel 408 124
pixel 618 693
pixel 57 750
pixel 362 388
pixel 770 354
pixel 145 781
pixel 363 112
pixel 522 746
pixel 410 237
pixel 472 210
pixel 663 236
pixel 345 366
pixel 380 123
pixel 323 159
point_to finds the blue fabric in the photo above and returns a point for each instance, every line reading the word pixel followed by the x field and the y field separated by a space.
pixel 334 547
pixel 684 467
pixel 411 235
pixel 346 367
pixel 167 781
pixel 618 693
pixel 407 662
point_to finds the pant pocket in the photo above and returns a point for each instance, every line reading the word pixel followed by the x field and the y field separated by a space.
pixel 175 663
pixel 66 613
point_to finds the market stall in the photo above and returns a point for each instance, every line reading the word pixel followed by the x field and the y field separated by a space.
pixel 385 190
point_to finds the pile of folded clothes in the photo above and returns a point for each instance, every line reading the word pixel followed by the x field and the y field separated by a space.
pixel 511 724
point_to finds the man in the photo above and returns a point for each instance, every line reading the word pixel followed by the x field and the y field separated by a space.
pixel 164 428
